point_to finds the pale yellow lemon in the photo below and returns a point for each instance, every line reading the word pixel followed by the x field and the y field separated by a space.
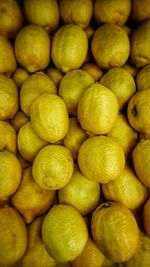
pixel 11 18
pixel 69 47
pixel 140 40
pixel 112 11
pixel 110 46
pixel 55 75
pixel 13 235
pixel 140 10
pixel 142 78
pixel 43 13
pixel 124 134
pixel 81 193
pixel 97 109
pixel 115 231
pixel 64 233
pixel 74 137
pixel 8 137
pixel 49 117
pixel 122 84
pixel 19 120
pixel 28 143
pixel 101 159
pixel 53 167
pixel 19 76
pixel 76 12
pixel 140 158
pixel 8 98
pixel 126 189
pixel 34 86
pixel 30 199
pixel 94 70
pixel 71 87
pixel 32 48
pixel 10 174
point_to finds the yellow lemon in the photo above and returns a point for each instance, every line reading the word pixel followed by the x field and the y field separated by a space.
pixel 69 47
pixel 110 46
pixel 30 199
pixel 112 11
pixel 8 98
pixel 32 48
pixel 19 120
pixel 94 70
pixel 49 117
pixel 121 83
pixel 64 233
pixel 101 159
pixel 140 10
pixel 71 87
pixel 53 167
pixel 34 86
pixel 126 189
pixel 142 78
pixel 140 158
pixel 55 75
pixel 97 109
pixel 8 137
pixel 115 231
pixel 76 12
pixel 13 235
pixel 81 193
pixel 19 76
pixel 43 13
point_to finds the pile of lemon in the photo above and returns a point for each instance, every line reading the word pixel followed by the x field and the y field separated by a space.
pixel 74 133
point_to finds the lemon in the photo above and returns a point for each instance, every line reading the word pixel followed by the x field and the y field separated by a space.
pixel 8 136
pixel 34 86
pixel 24 163
pixel 110 46
pixel 19 76
pixel 80 193
pixel 19 120
pixel 30 199
pixel 140 10
pixel 32 48
pixel 115 231
pixel 69 47
pixel 131 69
pixel 97 109
pixel 43 13
pixel 29 144
pixel 64 233
pixel 49 117
pixel 94 70
pixel 112 11
pixel 126 189
pixel 146 217
pixel 53 167
pixel 142 78
pixel 89 30
pixel 71 87
pixel 76 12
pixel 55 75
pixel 121 83
pixel 101 159
pixel 13 235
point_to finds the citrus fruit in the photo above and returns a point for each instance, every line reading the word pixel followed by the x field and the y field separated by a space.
pixel 8 137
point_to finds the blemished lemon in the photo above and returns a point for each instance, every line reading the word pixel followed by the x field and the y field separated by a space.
pixel 19 76
pixel 101 159
pixel 49 117
pixel 28 143
pixel 29 39
pixel 10 174
pixel 30 199
pixel 64 233
pixel 74 137
pixel 97 109
pixel 76 12
pixel 140 40
pixel 140 10
pixel 115 231
pixel 140 158
pixel 81 193
pixel 121 83
pixel 71 87
pixel 19 120
pixel 138 111
pixel 8 98
pixel 8 62
pixel 142 78
pixel 94 70
pixel 126 189
pixel 112 11
pixel 146 217
pixel 13 235
pixel 34 86
pixel 69 47
pixel 53 167
pixel 55 75
pixel 43 13
pixel 90 256
pixel 8 137
pixel 124 134
pixel 110 46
